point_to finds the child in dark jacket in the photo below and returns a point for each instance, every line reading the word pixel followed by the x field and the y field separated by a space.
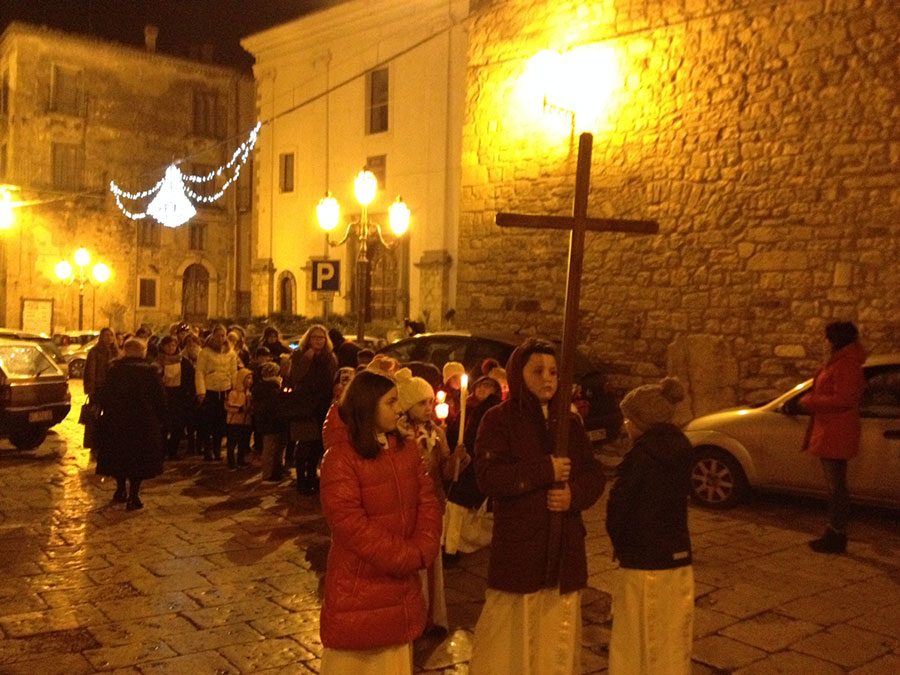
pixel 653 601
pixel 269 421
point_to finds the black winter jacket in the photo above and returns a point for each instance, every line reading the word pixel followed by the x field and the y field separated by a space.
pixel 646 516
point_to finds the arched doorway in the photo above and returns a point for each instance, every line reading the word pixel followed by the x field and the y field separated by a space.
pixel 286 286
pixel 195 294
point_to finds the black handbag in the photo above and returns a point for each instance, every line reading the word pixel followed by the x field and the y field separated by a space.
pixel 90 413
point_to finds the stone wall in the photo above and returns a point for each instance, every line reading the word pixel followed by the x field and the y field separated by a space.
pixel 763 136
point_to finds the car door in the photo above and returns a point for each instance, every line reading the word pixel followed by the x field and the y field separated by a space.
pixel 776 445
pixel 875 472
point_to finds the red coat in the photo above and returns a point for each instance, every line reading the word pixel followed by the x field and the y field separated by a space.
pixel 834 403
pixel 385 526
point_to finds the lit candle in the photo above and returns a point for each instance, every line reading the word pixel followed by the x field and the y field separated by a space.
pixel 463 393
pixel 442 409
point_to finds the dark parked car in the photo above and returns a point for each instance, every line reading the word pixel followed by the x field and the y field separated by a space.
pixel 34 393
pixel 603 419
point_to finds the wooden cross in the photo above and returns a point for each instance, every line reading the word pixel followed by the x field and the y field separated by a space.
pixel 578 223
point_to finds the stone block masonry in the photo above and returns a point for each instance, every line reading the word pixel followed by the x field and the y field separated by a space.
pixel 763 136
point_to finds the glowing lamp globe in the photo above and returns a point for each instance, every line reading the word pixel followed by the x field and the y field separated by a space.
pixel 82 257
pixel 101 272
pixel 328 212
pixel 399 215
pixel 63 270
pixel 364 186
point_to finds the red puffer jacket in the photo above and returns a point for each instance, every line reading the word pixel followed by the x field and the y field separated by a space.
pixel 385 526
pixel 834 403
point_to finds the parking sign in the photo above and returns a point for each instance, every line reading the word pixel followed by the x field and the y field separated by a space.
pixel 326 275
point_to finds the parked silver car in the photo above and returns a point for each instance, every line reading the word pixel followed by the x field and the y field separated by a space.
pixel 760 447
pixel 77 359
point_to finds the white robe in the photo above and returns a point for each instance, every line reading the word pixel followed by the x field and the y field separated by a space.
pixel 653 622
pixel 528 634
pixel 386 660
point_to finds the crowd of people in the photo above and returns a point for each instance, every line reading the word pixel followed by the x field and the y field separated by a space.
pixel 406 486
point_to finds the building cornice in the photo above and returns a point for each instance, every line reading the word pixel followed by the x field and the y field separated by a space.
pixel 21 29
pixel 348 18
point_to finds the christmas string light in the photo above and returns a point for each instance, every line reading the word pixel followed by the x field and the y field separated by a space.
pixel 172 205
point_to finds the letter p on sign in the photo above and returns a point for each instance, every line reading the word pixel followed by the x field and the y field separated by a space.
pixel 326 275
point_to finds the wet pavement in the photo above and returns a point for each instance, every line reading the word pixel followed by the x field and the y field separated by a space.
pixel 219 573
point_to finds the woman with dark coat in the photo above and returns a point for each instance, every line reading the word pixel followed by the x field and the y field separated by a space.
pixel 310 379
pixel 99 358
pixel 531 584
pixel 177 372
pixel 834 428
pixel 130 429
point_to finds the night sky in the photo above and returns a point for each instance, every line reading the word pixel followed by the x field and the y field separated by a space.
pixel 183 24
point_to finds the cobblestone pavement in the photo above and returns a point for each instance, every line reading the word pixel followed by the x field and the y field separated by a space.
pixel 219 574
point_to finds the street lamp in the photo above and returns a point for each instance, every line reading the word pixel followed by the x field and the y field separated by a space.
pixel 328 213
pixel 65 272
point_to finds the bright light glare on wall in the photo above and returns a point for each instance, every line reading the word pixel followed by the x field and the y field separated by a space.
pixel 583 80
pixel 7 219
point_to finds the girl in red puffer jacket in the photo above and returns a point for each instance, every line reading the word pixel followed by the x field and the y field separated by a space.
pixel 385 526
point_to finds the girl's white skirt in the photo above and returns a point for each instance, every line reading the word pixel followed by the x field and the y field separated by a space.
pixel 396 660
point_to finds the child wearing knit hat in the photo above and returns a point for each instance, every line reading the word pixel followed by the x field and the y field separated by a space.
pixel 416 398
pixel 647 524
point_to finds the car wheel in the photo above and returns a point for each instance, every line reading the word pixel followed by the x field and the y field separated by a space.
pixel 28 438
pixel 76 368
pixel 717 479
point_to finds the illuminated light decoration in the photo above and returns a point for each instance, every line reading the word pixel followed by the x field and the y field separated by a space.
pixel 173 203
pixel 170 206
pixel 82 257
pixel 399 217
pixel 328 212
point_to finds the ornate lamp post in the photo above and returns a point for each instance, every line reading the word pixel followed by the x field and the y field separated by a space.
pixel 328 213
pixel 65 272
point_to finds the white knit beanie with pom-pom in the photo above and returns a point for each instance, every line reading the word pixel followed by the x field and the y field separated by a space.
pixel 653 403
pixel 411 390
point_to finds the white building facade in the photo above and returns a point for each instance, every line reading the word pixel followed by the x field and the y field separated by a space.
pixel 368 83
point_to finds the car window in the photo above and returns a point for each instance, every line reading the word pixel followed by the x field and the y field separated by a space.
pixel 882 395
pixel 25 361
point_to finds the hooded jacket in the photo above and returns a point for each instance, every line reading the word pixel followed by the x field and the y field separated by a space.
pixel 237 403
pixel 513 447
pixel 834 428
pixel 646 516
pixel 385 524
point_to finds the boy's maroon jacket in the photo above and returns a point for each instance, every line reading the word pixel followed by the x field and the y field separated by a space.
pixel 513 466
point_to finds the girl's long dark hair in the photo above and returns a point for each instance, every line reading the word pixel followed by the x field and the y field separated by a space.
pixel 358 407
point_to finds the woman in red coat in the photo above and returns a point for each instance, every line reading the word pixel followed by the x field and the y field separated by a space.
pixel 385 526
pixel 834 429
